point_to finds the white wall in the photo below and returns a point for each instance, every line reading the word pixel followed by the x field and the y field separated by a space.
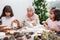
pixel 18 6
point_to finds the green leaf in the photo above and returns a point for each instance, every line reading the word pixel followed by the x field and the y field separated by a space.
pixel 41 9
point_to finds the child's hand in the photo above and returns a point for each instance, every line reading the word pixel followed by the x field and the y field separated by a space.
pixel 16 21
pixel 54 28
pixel 45 24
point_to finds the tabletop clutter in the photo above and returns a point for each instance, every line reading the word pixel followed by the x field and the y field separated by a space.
pixel 27 33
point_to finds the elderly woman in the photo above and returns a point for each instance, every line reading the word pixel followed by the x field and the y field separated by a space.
pixel 31 19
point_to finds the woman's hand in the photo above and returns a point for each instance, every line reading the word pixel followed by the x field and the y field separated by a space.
pixel 34 24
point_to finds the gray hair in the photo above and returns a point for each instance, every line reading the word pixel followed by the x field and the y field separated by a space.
pixel 31 7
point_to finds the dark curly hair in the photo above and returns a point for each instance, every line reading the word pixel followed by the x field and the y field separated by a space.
pixel 57 14
pixel 7 8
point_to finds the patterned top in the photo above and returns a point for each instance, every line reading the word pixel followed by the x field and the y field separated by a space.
pixel 28 22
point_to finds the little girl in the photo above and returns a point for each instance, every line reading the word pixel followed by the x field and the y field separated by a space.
pixel 8 16
pixel 53 22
